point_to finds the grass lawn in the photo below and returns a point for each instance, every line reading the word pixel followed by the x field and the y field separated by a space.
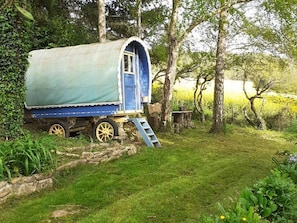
pixel 183 180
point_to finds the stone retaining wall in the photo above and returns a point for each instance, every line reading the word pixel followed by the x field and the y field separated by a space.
pixel 27 185
pixel 24 185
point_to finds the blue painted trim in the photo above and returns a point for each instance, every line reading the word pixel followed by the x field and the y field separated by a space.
pixel 86 111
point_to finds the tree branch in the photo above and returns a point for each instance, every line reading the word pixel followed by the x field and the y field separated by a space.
pixel 195 23
pixel 174 16
pixel 243 85
pixel 157 75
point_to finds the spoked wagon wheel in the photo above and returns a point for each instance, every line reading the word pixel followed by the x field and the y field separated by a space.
pixel 104 130
pixel 59 128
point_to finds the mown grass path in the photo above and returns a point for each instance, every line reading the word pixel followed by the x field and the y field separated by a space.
pixel 183 180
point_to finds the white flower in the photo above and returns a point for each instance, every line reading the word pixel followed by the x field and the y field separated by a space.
pixel 292 158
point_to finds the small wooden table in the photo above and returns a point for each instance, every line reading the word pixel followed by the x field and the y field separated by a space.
pixel 181 119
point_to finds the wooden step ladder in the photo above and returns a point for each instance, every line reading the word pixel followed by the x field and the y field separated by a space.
pixel 146 132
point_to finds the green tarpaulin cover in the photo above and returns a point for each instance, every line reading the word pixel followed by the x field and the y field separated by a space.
pixel 75 76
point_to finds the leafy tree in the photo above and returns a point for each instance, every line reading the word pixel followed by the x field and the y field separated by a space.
pixel 124 18
pixel 158 55
pixel 288 82
pixel 282 32
pixel 14 48
pixel 267 27
pixel 185 17
pixel 59 23
pixel 205 73
pixel 270 27
pixel 265 72
pixel 270 30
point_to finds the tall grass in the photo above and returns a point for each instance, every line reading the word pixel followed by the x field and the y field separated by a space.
pixel 279 112
pixel 26 156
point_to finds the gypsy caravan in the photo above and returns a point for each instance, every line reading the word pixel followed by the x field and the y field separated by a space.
pixel 104 84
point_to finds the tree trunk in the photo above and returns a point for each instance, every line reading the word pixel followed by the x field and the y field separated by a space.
pixel 218 103
pixel 169 80
pixel 201 109
pixel 260 124
pixel 170 75
pixel 198 96
pixel 101 21
pixel 139 26
pixel 196 103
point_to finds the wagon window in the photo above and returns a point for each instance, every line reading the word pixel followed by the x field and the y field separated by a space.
pixel 128 63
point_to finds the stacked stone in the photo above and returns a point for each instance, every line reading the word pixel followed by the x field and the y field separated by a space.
pixel 27 185
pixel 24 185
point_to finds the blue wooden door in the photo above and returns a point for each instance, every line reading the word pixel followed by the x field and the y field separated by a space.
pixel 129 80
pixel 130 92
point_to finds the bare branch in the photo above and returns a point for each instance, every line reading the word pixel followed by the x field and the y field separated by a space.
pixel 243 85
pixel 266 87
pixel 158 75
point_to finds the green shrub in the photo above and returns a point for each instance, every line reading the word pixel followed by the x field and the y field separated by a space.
pixel 281 119
pixel 237 215
pixel 273 199
pixel 289 166
pixel 234 114
pixel 26 156
pixel 290 132
pixel 292 128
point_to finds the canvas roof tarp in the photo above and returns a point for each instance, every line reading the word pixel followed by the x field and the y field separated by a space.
pixel 76 76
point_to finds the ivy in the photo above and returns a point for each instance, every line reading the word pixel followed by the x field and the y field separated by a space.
pixel 14 48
